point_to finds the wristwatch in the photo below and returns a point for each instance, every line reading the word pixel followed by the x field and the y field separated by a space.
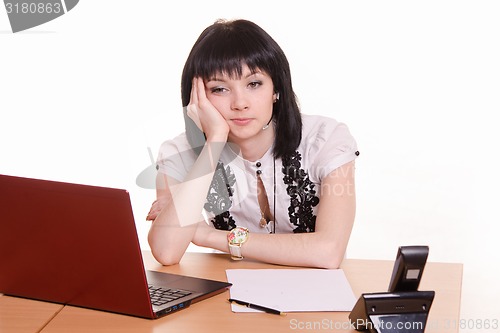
pixel 235 238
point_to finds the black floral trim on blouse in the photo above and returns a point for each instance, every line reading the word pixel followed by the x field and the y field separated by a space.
pixel 300 189
pixel 219 197
pixel 302 194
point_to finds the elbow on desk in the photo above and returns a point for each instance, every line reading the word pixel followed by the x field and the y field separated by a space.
pixel 328 263
pixel 162 255
pixel 328 259
pixel 164 258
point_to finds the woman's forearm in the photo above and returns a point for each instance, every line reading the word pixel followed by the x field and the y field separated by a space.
pixel 307 249
pixel 324 248
pixel 174 227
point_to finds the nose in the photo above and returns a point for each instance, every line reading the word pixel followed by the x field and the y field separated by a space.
pixel 239 101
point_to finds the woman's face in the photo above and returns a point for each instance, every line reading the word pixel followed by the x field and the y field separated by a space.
pixel 246 102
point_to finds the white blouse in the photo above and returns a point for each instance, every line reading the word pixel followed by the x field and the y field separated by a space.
pixel 292 184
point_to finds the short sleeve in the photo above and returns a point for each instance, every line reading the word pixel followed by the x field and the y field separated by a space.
pixel 331 145
pixel 175 158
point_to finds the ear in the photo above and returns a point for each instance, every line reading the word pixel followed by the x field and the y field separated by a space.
pixel 276 96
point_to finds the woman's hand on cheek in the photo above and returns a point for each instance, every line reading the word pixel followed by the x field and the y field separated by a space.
pixel 205 115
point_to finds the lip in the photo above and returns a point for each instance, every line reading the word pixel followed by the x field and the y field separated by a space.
pixel 241 121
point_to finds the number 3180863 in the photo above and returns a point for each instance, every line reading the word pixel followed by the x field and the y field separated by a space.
pixel 33 8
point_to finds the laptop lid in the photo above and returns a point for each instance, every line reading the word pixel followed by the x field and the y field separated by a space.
pixel 77 245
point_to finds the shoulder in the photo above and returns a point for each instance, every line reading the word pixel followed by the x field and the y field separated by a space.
pixel 175 157
pixel 326 145
pixel 320 129
pixel 176 144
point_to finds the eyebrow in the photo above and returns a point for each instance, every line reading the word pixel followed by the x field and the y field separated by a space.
pixel 215 78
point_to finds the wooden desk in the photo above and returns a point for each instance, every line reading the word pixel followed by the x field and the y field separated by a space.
pixel 214 314
pixel 25 316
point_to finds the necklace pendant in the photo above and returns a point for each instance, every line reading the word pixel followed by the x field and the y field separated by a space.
pixel 263 222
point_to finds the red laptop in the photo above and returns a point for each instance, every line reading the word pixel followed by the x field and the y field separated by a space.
pixel 77 245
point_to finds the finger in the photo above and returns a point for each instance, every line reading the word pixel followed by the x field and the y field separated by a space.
pixel 201 94
pixel 194 92
pixel 154 210
pixel 192 113
pixel 152 215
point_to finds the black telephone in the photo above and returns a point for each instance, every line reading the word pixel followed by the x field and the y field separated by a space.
pixel 403 309
pixel 408 268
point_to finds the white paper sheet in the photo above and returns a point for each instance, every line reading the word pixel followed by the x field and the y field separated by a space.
pixel 291 290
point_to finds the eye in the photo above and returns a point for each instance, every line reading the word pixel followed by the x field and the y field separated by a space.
pixel 217 90
pixel 255 84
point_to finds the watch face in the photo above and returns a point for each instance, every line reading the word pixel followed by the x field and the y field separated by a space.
pixel 238 235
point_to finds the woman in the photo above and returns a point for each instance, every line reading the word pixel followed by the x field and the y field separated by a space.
pixel 251 175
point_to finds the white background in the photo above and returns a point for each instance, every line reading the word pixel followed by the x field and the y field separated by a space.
pixel 84 96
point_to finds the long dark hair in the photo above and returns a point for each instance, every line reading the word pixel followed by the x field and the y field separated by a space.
pixel 224 47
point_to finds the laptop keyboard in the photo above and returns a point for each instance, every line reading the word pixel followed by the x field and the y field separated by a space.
pixel 160 296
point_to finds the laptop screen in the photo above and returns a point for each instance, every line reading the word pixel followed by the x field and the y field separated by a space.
pixel 71 244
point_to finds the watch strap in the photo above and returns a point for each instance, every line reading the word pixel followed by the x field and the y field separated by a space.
pixel 235 251
pixel 235 238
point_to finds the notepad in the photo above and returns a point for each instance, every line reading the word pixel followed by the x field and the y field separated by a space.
pixel 291 290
